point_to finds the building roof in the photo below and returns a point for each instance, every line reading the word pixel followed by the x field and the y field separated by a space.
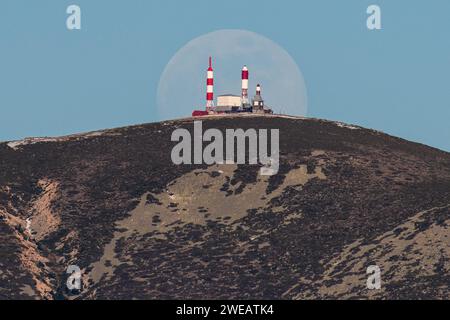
pixel 229 95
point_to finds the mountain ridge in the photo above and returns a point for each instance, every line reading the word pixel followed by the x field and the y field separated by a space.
pixel 73 201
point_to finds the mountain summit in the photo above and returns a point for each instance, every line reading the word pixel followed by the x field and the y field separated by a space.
pixel 113 204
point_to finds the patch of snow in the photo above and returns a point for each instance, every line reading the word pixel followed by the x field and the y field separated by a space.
pixel 15 145
pixel 95 134
pixel 344 125
pixel 19 143
pixel 28 226
pixel 287 117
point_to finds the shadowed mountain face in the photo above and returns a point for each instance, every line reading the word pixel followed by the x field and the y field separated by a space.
pixel 138 226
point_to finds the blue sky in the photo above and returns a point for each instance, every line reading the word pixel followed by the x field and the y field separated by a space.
pixel 54 81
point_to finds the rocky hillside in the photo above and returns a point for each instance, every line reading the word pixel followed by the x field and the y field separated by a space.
pixel 112 203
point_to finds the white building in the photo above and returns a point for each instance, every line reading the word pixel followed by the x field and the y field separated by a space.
pixel 228 102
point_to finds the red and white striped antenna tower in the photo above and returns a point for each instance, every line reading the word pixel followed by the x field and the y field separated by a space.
pixel 210 87
pixel 245 86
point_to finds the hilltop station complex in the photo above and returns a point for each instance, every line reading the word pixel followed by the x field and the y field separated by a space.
pixel 229 103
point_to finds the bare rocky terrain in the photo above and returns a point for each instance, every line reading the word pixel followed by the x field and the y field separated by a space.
pixel 139 227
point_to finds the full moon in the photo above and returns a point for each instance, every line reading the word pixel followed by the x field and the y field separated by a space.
pixel 182 86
